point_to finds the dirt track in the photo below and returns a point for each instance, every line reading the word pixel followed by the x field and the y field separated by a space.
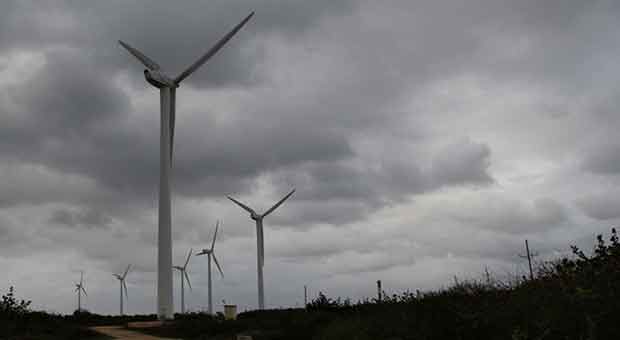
pixel 118 332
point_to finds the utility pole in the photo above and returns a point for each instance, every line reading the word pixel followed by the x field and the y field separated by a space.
pixel 529 256
pixel 379 290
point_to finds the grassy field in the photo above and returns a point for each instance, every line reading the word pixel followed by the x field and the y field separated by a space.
pixel 570 298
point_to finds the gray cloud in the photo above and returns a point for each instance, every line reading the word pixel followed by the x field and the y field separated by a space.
pixel 605 159
pixel 509 215
pixel 462 162
pixel 87 218
pixel 600 207
pixel 340 193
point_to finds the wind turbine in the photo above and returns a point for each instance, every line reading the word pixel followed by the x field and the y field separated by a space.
pixel 79 288
pixel 210 252
pixel 167 87
pixel 121 279
pixel 183 272
pixel 260 245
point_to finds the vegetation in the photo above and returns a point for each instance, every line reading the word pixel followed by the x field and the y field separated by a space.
pixel 18 321
pixel 570 298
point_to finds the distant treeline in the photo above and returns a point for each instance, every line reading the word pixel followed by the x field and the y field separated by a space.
pixel 577 297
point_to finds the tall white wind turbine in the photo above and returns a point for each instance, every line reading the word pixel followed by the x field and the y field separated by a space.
pixel 167 87
pixel 211 252
pixel 260 245
pixel 79 288
pixel 183 272
pixel 121 279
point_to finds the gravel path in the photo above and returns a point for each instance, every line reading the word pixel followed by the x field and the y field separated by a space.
pixel 118 332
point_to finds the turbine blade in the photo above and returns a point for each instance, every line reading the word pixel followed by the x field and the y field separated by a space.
pixel 126 271
pixel 217 224
pixel 118 276
pixel 172 119
pixel 212 51
pixel 189 255
pixel 187 278
pixel 146 61
pixel 245 207
pixel 203 252
pixel 217 264
pixel 278 204
pixel 81 277
pixel 84 290
pixel 125 286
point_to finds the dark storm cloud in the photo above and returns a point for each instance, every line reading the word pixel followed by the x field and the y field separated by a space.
pixel 462 162
pixel 512 216
pixel 85 218
pixel 175 36
pixel 87 114
pixel 601 207
pixel 69 96
pixel 339 193
pixel 4 231
pixel 604 159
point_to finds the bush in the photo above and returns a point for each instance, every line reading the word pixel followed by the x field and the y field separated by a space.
pixel 10 306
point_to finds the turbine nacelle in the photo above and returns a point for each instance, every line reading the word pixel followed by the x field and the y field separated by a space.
pixel 159 79
pixel 204 252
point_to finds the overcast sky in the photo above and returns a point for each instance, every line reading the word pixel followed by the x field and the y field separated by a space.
pixel 426 139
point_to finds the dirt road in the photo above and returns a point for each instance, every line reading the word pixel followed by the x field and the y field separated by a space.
pixel 118 332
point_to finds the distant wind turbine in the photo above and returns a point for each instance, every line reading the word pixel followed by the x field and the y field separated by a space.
pixel 183 272
pixel 260 245
pixel 121 279
pixel 211 252
pixel 79 288
pixel 157 77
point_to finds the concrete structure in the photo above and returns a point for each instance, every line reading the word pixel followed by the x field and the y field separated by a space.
pixel 260 245
pixel 230 312
pixel 167 87
pixel 211 252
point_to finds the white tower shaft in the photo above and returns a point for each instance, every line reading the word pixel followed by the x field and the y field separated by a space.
pixel 165 307
pixel 209 277
pixel 121 283
pixel 182 293
pixel 259 263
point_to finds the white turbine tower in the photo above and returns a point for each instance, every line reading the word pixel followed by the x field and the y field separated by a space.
pixel 121 279
pixel 183 272
pixel 79 288
pixel 211 252
pixel 260 245
pixel 167 86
